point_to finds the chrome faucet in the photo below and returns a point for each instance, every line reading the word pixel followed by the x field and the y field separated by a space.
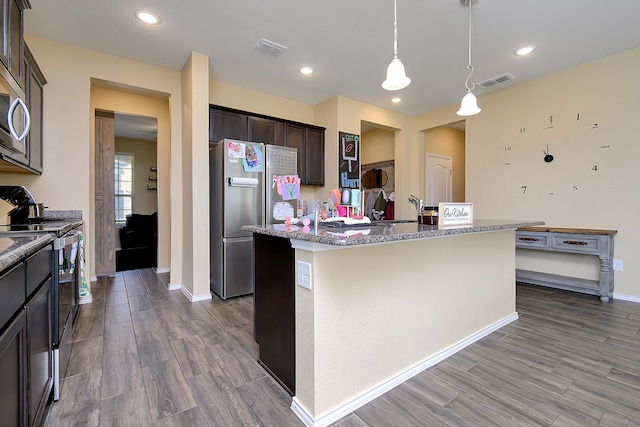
pixel 417 203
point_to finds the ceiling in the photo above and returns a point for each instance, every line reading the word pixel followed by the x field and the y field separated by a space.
pixel 349 42
pixel 136 127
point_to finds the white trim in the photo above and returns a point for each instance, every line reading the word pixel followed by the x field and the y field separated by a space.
pixel 85 300
pixel 195 298
pixel 382 388
pixel 173 286
pixel 161 270
pixel 624 297
pixel 94 279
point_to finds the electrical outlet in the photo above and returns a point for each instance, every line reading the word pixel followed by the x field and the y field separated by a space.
pixel 304 274
pixel 617 265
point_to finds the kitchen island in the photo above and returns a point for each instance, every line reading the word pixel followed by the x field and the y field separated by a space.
pixel 385 302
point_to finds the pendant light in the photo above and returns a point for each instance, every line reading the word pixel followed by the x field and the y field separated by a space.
pixel 469 104
pixel 396 77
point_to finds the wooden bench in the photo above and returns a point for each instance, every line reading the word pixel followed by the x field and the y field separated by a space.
pixel 570 240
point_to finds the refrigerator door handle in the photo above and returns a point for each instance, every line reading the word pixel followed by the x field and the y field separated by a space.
pixel 240 181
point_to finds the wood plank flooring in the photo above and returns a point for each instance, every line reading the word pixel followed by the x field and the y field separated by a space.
pixel 146 356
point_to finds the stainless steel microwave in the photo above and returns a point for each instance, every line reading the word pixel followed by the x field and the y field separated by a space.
pixel 14 120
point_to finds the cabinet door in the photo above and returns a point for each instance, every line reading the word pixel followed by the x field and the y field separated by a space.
pixel 33 90
pixel 4 33
pixel 266 131
pixel 40 352
pixel 274 307
pixel 13 403
pixel 315 156
pixel 296 136
pixel 226 124
pixel 15 41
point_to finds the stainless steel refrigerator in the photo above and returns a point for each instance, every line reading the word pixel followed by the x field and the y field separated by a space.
pixel 241 175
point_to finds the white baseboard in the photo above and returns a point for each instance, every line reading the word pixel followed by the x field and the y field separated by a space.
pixel 195 298
pixel 623 297
pixel 161 270
pixel 85 300
pixel 173 286
pixel 401 377
pixel 94 278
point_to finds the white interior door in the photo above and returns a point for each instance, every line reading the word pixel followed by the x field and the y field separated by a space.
pixel 438 179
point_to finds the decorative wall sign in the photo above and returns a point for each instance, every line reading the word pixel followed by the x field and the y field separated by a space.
pixel 349 160
pixel 455 214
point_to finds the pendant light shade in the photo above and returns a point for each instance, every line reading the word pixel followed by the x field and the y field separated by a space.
pixel 396 77
pixel 469 105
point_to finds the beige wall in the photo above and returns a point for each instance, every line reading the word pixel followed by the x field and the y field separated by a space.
pixel 447 142
pixel 355 331
pixel 195 184
pixel 493 187
pixel 377 145
pixel 505 146
pixel 112 99
pixel 145 154
pixel 346 115
pixel 67 180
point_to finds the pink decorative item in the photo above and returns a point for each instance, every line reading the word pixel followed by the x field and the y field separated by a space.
pixel 342 210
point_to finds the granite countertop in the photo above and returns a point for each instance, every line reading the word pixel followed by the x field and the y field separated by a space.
pixel 15 249
pixel 381 233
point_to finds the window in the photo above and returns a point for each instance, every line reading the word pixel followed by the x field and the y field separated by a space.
pixel 124 187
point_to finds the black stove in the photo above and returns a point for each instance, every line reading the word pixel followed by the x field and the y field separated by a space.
pixel 56 227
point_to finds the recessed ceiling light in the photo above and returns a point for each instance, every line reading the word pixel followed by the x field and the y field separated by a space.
pixel 147 17
pixel 525 50
pixel 306 70
pixel 396 100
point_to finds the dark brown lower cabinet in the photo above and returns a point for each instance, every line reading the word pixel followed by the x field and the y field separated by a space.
pixel 26 369
pixel 13 373
pixel 274 308
pixel 39 363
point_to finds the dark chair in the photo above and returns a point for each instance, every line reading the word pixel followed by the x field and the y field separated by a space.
pixel 139 242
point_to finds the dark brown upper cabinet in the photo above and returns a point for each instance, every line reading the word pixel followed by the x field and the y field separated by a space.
pixel 267 131
pixel 34 84
pixel 11 34
pixel 226 124
pixel 242 125
pixel 309 141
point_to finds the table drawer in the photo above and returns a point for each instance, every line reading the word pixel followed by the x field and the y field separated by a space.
pixel 582 244
pixel 532 240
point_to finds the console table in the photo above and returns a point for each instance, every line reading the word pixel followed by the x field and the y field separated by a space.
pixel 570 240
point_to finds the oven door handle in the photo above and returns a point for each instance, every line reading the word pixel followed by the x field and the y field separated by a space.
pixel 27 119
pixel 67 240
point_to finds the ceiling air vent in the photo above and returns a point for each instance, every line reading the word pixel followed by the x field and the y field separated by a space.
pixel 496 80
pixel 270 47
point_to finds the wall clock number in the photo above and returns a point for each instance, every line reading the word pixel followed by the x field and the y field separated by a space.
pixel 594 168
pixel 524 189
pixel 523 130
pixel 575 188
pixel 507 149
pixel 594 126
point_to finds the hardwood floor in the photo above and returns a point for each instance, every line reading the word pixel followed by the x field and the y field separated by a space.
pixel 143 355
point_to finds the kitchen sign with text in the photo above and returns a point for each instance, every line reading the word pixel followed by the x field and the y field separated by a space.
pixel 455 214
pixel 349 160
